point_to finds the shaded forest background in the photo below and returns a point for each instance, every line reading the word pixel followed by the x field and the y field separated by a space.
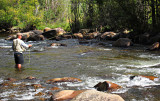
pixel 72 15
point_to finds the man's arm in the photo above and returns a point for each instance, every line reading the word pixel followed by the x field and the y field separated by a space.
pixel 25 45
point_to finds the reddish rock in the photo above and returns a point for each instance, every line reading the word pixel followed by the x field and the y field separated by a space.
pixel 65 95
pixel 55 88
pixel 154 46
pixel 78 35
pixel 107 85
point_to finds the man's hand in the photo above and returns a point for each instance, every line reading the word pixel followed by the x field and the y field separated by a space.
pixel 29 45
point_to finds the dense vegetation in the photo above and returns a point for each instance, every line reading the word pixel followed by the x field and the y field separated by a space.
pixel 136 15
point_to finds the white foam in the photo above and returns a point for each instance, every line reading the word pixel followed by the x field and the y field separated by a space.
pixel 28 95
pixel 5 46
pixel 106 49
pixel 140 81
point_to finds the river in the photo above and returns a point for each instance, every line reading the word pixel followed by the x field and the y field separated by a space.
pixel 92 63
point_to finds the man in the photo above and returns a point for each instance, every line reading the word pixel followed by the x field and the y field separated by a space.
pixel 18 47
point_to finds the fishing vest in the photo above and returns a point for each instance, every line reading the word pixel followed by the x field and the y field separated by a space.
pixel 17 47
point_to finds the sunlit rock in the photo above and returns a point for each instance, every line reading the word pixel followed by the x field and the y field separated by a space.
pixel 53 33
pixel 109 36
pixel 37 85
pixel 47 29
pixel 78 35
pixel 55 88
pixel 65 95
pixel 39 94
pixel 107 85
pixel 65 79
pixel 93 95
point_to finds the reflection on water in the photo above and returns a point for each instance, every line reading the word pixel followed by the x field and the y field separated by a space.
pixel 89 62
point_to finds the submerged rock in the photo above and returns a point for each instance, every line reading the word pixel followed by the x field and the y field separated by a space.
pixel 58 44
pixel 65 79
pixel 123 42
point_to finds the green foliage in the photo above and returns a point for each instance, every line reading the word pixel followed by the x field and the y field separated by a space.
pixel 72 15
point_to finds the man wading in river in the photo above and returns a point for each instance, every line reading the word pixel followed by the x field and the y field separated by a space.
pixel 18 47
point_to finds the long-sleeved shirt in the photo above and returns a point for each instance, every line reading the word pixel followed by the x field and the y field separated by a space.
pixel 19 46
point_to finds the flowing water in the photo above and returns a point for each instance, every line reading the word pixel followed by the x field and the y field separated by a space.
pixel 90 62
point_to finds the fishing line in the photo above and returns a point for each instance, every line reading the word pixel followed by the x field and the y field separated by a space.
pixel 29 56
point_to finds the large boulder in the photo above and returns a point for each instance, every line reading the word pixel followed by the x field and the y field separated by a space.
pixel 53 33
pixel 25 35
pixel 65 95
pixel 109 36
pixel 122 42
pixel 93 95
pixel 47 29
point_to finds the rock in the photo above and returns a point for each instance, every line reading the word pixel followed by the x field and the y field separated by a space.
pixel 24 36
pixel 154 46
pixel 55 88
pixel 11 37
pixel 65 95
pixel 78 35
pixel 104 86
pixel 124 34
pixel 93 95
pixel 149 77
pixel 91 35
pixel 36 37
pixel 37 32
pixel 84 31
pixel 65 79
pixel 11 79
pixel 39 94
pixel 58 44
pixel 109 36
pixel 30 78
pixel 47 29
pixel 123 42
pixel 37 85
pixel 53 33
